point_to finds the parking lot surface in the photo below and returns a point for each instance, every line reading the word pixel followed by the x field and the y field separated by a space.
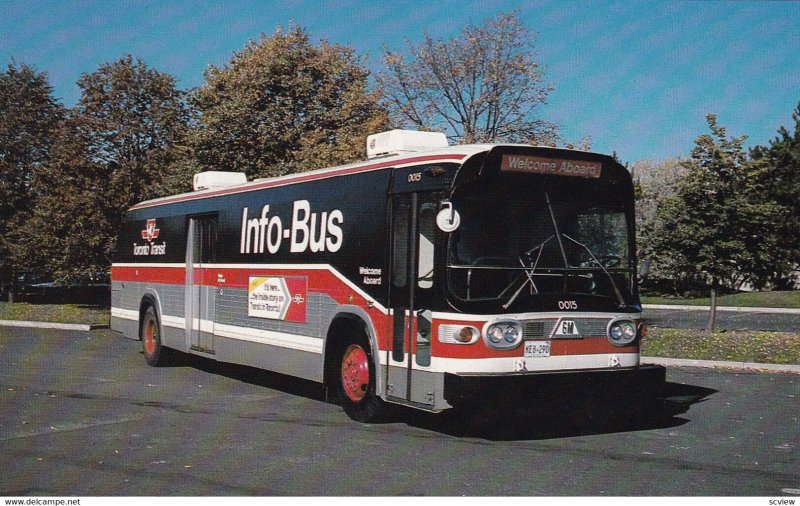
pixel 83 415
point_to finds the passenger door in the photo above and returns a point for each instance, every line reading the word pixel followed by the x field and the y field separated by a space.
pixel 412 282
pixel 200 290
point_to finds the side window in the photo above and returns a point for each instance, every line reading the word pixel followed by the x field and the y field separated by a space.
pixel 205 239
pixel 400 239
pixel 427 229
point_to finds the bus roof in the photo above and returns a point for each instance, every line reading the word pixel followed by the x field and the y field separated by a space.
pixel 456 154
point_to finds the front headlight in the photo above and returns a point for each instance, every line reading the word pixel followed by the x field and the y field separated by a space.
pixel 622 332
pixel 503 335
pixel 495 334
pixel 511 334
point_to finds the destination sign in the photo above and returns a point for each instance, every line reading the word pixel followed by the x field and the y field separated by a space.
pixel 552 166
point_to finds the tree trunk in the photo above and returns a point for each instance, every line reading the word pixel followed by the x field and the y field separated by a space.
pixel 13 286
pixel 712 314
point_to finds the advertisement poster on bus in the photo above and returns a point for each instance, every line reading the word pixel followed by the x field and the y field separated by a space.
pixel 277 298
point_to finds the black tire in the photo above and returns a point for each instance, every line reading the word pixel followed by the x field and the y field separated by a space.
pixel 355 382
pixel 155 353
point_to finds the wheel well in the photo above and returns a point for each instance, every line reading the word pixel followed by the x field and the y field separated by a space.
pixel 147 301
pixel 342 330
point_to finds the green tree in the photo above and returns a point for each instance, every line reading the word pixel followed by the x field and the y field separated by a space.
pixel 68 234
pixel 133 118
pixel 28 115
pixel 655 182
pixel 777 181
pixel 284 105
pixel 710 228
pixel 483 85
pixel 115 148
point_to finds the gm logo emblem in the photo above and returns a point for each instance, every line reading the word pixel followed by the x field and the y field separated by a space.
pixel 567 328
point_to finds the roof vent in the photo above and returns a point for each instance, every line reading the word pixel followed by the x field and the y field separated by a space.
pixel 395 142
pixel 214 180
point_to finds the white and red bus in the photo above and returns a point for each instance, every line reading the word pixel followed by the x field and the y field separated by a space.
pixel 427 275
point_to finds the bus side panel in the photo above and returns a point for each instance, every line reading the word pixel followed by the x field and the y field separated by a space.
pixel 292 362
pixel 122 312
pixel 345 217
pixel 150 260
pixel 293 348
pixel 130 287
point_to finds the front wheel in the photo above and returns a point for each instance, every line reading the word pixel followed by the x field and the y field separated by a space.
pixel 356 383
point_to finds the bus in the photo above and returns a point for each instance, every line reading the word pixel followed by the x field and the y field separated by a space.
pixel 426 276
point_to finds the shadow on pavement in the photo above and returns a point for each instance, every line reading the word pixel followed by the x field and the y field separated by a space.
pixel 557 412
pixel 561 414
pixel 254 376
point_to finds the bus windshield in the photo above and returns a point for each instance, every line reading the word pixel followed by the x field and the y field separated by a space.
pixel 522 242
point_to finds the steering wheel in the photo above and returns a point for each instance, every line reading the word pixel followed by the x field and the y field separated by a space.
pixel 610 260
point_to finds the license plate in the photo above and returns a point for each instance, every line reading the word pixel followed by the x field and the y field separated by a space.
pixel 536 349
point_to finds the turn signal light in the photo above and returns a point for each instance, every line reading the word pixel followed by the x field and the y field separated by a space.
pixel 465 335
pixel 458 334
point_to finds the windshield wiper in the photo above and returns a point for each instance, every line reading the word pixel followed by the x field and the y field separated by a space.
pixel 555 227
pixel 529 273
pixel 603 267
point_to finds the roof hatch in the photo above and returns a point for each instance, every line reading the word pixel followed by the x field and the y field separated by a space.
pixel 214 180
pixel 395 142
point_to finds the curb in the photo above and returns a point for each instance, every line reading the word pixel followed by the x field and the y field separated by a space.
pixel 49 325
pixel 718 364
pixel 768 310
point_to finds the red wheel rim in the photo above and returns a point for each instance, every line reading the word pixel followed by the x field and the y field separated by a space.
pixel 150 337
pixel 355 373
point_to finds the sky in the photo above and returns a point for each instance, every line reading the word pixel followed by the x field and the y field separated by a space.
pixel 638 78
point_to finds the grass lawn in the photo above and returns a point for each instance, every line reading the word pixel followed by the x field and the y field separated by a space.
pixel 789 299
pixel 735 346
pixel 56 313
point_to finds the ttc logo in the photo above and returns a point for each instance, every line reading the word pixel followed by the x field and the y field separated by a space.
pixel 150 232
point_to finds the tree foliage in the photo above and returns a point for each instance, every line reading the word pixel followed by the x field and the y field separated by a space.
pixel 655 182
pixel 115 148
pixel 68 234
pixel 284 105
pixel 28 114
pixel 714 228
pixel 777 180
pixel 484 85
pixel 132 117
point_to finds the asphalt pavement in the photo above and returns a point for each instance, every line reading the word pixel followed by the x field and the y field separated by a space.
pixel 83 415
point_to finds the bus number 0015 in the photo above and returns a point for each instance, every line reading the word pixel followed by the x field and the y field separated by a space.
pixel 567 304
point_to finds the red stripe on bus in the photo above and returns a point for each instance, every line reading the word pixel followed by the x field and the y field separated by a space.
pixel 558 347
pixel 324 281
pixel 146 274
pixel 319 280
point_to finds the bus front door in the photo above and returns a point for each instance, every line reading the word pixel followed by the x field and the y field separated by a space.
pixel 413 227
pixel 200 292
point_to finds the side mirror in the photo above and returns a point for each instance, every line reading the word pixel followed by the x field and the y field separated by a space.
pixel 448 218
pixel 644 268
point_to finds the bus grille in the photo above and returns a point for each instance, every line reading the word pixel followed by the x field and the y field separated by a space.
pixel 537 329
pixel 543 329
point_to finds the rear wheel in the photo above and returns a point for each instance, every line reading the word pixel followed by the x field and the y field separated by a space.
pixel 154 352
pixel 356 382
